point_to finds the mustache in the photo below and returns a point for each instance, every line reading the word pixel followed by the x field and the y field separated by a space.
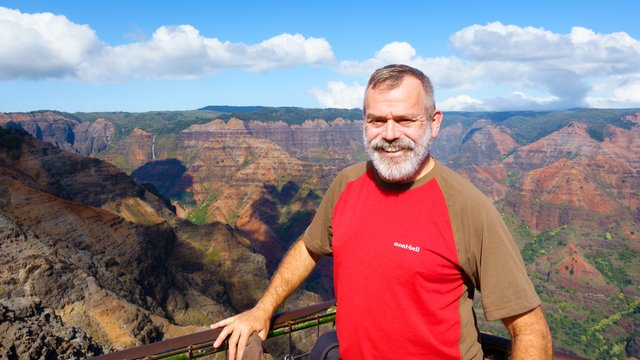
pixel 402 143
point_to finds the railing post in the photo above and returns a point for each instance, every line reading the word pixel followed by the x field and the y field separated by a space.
pixel 290 340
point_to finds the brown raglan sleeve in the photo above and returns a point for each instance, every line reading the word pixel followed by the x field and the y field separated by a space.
pixel 486 251
pixel 317 237
pixel 503 281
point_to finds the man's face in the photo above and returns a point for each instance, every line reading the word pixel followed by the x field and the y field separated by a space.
pixel 398 132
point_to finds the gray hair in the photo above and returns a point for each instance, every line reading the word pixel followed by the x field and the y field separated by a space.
pixel 390 77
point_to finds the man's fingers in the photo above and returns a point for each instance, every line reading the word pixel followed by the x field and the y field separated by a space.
pixel 222 323
pixel 233 345
pixel 242 343
pixel 236 330
pixel 223 335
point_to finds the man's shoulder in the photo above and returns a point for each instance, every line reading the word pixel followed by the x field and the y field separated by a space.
pixel 353 172
pixel 344 177
pixel 454 184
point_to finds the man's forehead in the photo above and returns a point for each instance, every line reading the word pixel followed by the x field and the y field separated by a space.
pixel 393 115
pixel 406 103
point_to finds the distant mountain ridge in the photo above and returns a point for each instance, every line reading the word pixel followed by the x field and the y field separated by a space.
pixel 567 183
pixel 289 114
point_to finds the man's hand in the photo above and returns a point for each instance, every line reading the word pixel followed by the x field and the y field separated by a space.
pixel 295 267
pixel 238 328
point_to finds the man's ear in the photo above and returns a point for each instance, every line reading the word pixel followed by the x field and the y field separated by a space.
pixel 436 121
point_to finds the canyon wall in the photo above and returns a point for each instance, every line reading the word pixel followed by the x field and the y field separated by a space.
pixel 228 190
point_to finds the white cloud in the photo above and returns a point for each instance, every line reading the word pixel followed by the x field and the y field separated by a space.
pixel 396 52
pixel 564 66
pixel 515 100
pixel 392 53
pixel 582 51
pixel 460 103
pixel 340 95
pixel 51 46
pixel 42 45
pixel 616 92
pixel 519 100
pixel 509 42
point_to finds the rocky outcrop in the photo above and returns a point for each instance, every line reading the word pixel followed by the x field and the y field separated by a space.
pixel 570 142
pixel 106 258
pixel 478 154
pixel 568 176
pixel 30 331
pixel 92 138
pixel 86 138
pixel 568 267
pixel 69 255
pixel 225 174
pixel 447 147
pixel 337 142
pixel 132 152
pixel 47 126
pixel 484 144
pixel 82 180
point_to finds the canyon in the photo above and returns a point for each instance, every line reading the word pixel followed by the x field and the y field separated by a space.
pixel 171 227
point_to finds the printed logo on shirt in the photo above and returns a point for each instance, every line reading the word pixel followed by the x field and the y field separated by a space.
pixel 407 247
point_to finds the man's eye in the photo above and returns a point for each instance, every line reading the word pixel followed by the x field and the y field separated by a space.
pixel 405 122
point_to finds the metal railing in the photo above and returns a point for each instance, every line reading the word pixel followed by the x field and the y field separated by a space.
pixel 200 344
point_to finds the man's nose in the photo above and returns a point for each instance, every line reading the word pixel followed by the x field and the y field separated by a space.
pixel 391 130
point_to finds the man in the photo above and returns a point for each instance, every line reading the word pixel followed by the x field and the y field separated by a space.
pixel 411 242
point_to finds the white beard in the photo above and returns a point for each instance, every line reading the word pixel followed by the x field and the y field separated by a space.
pixel 402 168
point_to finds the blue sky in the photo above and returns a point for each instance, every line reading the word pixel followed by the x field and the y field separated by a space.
pixel 144 56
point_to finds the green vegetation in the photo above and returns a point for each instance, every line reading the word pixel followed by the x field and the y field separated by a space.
pixel 589 331
pixel 211 256
pixel 542 244
pixel 604 263
pixel 289 115
pixel 155 122
pixel 512 178
pixel 250 157
pixel 527 127
pixel 595 338
pixel 596 325
pixel 199 215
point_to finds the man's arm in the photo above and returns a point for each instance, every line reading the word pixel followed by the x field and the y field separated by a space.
pixel 530 336
pixel 293 270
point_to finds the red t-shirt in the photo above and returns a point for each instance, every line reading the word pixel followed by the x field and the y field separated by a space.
pixel 407 258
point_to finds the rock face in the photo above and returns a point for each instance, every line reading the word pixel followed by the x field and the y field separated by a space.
pixel 567 176
pixel 337 142
pixel 107 258
pixel 228 175
pixel 29 331
pixel 133 151
pixel 82 138
pixel 68 252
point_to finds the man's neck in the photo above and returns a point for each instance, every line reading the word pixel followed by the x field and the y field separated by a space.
pixel 424 169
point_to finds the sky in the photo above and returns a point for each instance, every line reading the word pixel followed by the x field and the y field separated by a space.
pixel 137 56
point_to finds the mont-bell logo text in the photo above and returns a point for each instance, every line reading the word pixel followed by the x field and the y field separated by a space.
pixel 407 247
